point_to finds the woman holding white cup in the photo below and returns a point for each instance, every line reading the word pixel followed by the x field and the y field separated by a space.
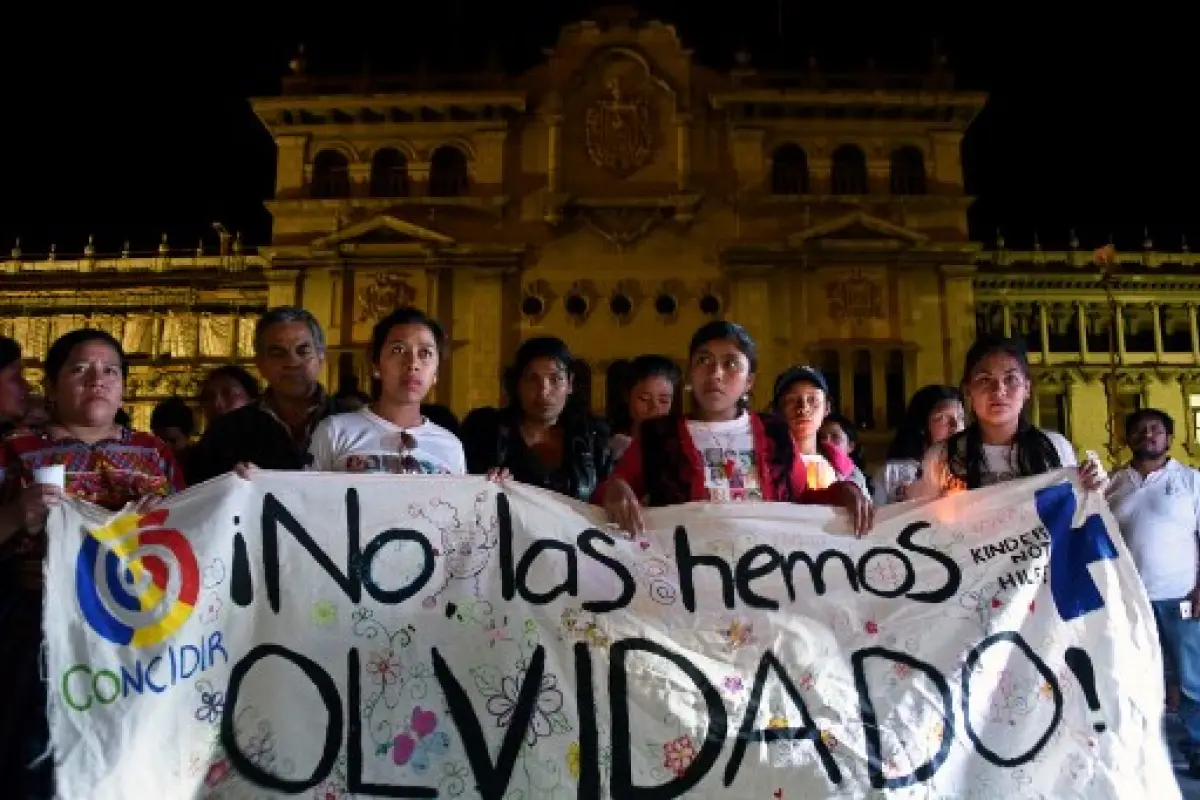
pixel 83 453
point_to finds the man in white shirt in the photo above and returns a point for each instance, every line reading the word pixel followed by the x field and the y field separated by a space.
pixel 1156 501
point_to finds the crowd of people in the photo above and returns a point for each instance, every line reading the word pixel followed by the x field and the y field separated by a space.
pixel 652 453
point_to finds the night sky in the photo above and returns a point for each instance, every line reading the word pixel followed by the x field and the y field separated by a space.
pixel 128 128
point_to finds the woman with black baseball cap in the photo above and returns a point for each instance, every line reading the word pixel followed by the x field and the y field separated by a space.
pixel 801 397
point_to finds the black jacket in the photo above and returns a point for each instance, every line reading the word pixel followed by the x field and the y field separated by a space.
pixel 492 439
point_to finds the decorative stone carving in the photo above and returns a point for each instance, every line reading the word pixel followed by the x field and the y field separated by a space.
pixel 619 129
pixel 389 290
pixel 622 227
pixel 855 298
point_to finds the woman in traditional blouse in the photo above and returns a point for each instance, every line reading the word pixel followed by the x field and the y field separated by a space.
pixel 102 463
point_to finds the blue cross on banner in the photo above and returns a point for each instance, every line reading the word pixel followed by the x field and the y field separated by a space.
pixel 1071 551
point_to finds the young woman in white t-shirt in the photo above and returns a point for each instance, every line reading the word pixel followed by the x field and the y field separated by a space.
pixel 390 435
pixel 934 414
pixel 1000 444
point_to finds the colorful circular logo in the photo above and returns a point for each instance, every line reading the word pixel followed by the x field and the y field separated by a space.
pixel 136 581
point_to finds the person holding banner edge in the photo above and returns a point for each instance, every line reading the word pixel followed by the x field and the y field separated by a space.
pixel 723 452
pixel 84 453
pixel 999 444
pixel 392 435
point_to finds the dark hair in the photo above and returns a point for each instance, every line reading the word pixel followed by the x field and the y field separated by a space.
pixel 1149 413
pixel 550 347
pixel 405 315
pixel 173 412
pixel 122 418
pixel 10 351
pixel 912 434
pixel 851 430
pixel 284 314
pixel 650 366
pixel 965 459
pixel 730 331
pixel 232 371
pixel 639 369
pixel 60 351
pixel 440 415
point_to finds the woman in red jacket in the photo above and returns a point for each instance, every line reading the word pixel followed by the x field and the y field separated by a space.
pixel 722 452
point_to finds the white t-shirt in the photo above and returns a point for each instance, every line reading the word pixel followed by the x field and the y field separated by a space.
pixel 1159 516
pixel 1000 465
pixel 728 459
pixel 892 477
pixel 362 441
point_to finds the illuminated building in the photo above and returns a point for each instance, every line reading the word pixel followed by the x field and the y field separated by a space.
pixel 620 194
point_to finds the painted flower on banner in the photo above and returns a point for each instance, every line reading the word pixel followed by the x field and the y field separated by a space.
pixel 548 717
pixel 678 754
pixel 422 744
pixel 211 609
pixel 574 759
pixel 384 667
pixel 212 703
pixel 324 613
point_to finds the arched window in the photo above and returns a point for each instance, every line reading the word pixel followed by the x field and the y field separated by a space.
pixel 389 173
pixel 849 174
pixel 447 172
pixel 789 170
pixel 908 171
pixel 331 175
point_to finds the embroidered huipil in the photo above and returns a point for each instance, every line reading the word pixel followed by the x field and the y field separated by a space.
pixel 109 473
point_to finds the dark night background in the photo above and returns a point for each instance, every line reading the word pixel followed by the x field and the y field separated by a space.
pixel 128 128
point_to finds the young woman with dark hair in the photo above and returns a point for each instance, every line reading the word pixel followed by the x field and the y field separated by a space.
pixel 391 434
pixel 838 433
pixel 723 452
pixel 649 393
pixel 934 414
pixel 1000 444
pixel 541 438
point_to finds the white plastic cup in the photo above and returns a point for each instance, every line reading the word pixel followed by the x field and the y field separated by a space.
pixel 53 475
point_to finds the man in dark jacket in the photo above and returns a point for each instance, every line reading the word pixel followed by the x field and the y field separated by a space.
pixel 274 432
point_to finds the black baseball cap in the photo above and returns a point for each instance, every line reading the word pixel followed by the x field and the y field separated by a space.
pixel 798 374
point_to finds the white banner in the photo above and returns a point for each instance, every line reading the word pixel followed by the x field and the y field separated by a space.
pixel 335 636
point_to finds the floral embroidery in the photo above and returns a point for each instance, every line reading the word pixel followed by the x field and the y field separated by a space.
pixel 547 708
pixel 678 754
pixel 384 667
pixel 324 613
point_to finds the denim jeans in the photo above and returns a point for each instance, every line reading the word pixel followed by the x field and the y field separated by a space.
pixel 1181 652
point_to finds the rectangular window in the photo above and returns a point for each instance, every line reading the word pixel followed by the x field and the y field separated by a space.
pixel 1124 404
pixel 1052 412
pixel 1194 409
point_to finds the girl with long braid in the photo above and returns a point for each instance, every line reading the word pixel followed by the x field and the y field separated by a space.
pixel 1000 444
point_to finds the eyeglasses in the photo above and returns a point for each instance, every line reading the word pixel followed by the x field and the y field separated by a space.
pixel 408 462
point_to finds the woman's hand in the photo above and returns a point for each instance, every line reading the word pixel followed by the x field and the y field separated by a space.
pixel 499 475
pixel 35 502
pixel 245 470
pixel 1092 474
pixel 623 507
pixel 857 504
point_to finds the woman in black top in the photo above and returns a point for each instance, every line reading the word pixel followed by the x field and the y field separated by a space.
pixel 541 438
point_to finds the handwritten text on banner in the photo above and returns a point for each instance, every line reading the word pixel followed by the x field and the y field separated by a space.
pixel 335 635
